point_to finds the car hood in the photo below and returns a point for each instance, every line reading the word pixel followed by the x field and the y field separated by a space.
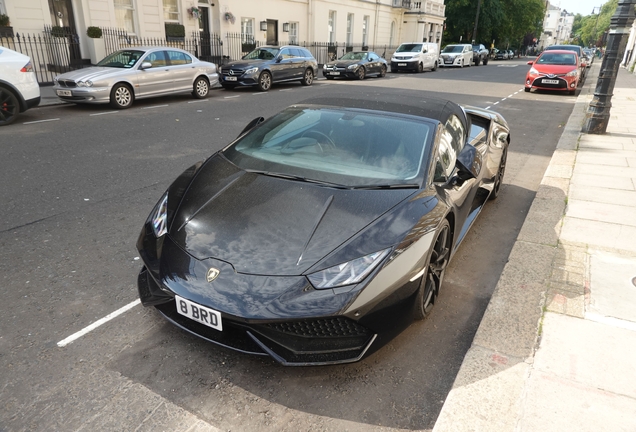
pixel 93 73
pixel 342 63
pixel 265 225
pixel 554 69
pixel 244 64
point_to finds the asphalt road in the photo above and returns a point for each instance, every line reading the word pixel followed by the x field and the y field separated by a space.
pixel 77 184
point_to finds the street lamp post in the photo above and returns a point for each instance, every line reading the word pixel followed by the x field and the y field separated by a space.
pixel 598 113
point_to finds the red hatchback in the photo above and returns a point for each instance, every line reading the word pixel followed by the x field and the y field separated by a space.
pixel 554 70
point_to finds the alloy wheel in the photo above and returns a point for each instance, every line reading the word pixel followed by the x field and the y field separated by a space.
pixel 264 81
pixel 201 88
pixel 9 107
pixel 500 175
pixel 121 96
pixel 434 273
pixel 308 78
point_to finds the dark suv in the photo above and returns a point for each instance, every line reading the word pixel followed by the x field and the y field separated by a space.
pixel 267 65
pixel 480 54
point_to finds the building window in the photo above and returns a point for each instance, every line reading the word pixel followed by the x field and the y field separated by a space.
pixel 247 30
pixel 332 26
pixel 365 30
pixel 392 37
pixel 171 10
pixel 349 29
pixel 3 9
pixel 125 15
pixel 293 32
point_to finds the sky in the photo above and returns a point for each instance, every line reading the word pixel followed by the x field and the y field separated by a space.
pixel 583 7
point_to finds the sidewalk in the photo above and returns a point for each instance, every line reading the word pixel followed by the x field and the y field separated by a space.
pixel 555 350
pixel 48 96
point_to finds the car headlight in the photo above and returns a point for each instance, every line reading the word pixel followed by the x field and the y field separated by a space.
pixel 533 71
pixel 159 218
pixel 352 67
pixel 85 84
pixel 572 73
pixel 251 70
pixel 347 273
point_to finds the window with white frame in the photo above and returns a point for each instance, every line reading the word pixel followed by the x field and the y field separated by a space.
pixel 349 29
pixel 171 11
pixel 3 8
pixel 293 32
pixel 125 15
pixel 365 30
pixel 247 30
pixel 392 36
pixel 332 26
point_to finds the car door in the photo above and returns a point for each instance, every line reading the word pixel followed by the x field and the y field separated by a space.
pixel 428 61
pixel 181 70
pixel 156 79
pixel 373 63
pixel 283 66
pixel 298 62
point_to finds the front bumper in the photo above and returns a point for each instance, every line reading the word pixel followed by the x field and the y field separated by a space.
pixel 448 62
pixel 339 73
pixel 562 83
pixel 93 95
pixel 408 65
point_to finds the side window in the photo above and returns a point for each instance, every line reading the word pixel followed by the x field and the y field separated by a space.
pixel 296 52
pixel 188 59
pixel 157 58
pixel 286 54
pixel 455 129
pixel 177 58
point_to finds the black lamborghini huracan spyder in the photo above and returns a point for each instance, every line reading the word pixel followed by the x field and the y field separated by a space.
pixel 320 233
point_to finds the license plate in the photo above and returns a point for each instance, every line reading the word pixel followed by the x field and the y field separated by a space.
pixel 335 73
pixel 549 81
pixel 64 93
pixel 448 61
pixel 401 64
pixel 230 78
pixel 198 313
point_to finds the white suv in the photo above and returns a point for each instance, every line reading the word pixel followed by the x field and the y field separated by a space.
pixel 456 55
pixel 19 89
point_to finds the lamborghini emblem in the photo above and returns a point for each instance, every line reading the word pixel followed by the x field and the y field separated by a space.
pixel 212 274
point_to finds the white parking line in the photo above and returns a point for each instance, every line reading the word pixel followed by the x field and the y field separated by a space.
pixel 231 97
pixel 259 93
pixel 286 90
pixel 155 106
pixel 97 323
pixel 511 95
pixel 41 121
pixel 103 113
pixel 488 107
pixel 504 99
pixel 495 103
pixel 197 101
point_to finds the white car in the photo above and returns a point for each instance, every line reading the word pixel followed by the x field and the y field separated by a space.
pixel 19 88
pixel 459 55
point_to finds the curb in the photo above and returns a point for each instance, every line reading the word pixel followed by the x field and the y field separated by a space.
pixel 489 389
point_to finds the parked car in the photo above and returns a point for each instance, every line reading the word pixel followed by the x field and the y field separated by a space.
pixel 321 232
pixel 415 56
pixel 19 88
pixel 502 55
pixel 267 65
pixel 554 70
pixel 459 55
pixel 356 64
pixel 579 52
pixel 137 73
pixel 589 56
pixel 480 54
pixel 511 54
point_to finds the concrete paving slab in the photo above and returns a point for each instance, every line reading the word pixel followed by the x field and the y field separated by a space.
pixel 602 195
pixel 561 299
pixel 563 157
pixel 588 232
pixel 579 350
pixel 493 379
pixel 626 241
pixel 555 404
pixel 603 181
pixel 604 144
pixel 612 292
pixel 543 223
pixel 562 171
pixel 629 172
pixel 603 212
pixel 600 158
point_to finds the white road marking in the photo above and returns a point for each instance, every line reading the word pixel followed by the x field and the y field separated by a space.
pixel 155 106
pixel 286 90
pixel 41 121
pixel 103 113
pixel 259 93
pixel 503 99
pixel 488 107
pixel 495 103
pixel 511 95
pixel 231 97
pixel 611 321
pixel 197 101
pixel 97 323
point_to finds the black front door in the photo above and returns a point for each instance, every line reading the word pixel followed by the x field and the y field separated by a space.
pixel 204 33
pixel 62 14
pixel 272 32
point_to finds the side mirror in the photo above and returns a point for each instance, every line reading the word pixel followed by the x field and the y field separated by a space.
pixel 530 63
pixel 145 65
pixel 279 59
pixel 251 125
pixel 469 162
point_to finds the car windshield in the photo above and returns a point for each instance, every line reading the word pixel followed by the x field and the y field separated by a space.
pixel 262 54
pixel 354 56
pixel 576 49
pixel 121 59
pixel 453 49
pixel 339 146
pixel 409 48
pixel 549 58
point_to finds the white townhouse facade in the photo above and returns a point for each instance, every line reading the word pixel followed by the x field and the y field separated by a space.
pixel 345 22
pixel 557 26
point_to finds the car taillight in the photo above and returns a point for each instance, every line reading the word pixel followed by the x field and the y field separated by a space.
pixel 27 68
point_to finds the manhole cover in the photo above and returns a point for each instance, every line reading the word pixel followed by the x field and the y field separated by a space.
pixel 634 281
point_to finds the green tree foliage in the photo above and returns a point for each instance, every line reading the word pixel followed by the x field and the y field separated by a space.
pixel 506 22
pixel 588 30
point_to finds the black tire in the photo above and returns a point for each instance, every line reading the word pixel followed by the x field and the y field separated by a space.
pixel 500 175
pixel 361 73
pixel 461 64
pixel 329 77
pixel 9 107
pixel 477 61
pixel 434 67
pixel 308 77
pixel 200 88
pixel 485 61
pixel 526 89
pixel 433 276
pixel 420 68
pixel 382 71
pixel 121 96
pixel 264 81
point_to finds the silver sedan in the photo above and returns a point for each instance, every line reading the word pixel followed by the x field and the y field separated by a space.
pixel 137 73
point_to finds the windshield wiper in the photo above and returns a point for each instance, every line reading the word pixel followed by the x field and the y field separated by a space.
pixel 297 178
pixel 388 186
